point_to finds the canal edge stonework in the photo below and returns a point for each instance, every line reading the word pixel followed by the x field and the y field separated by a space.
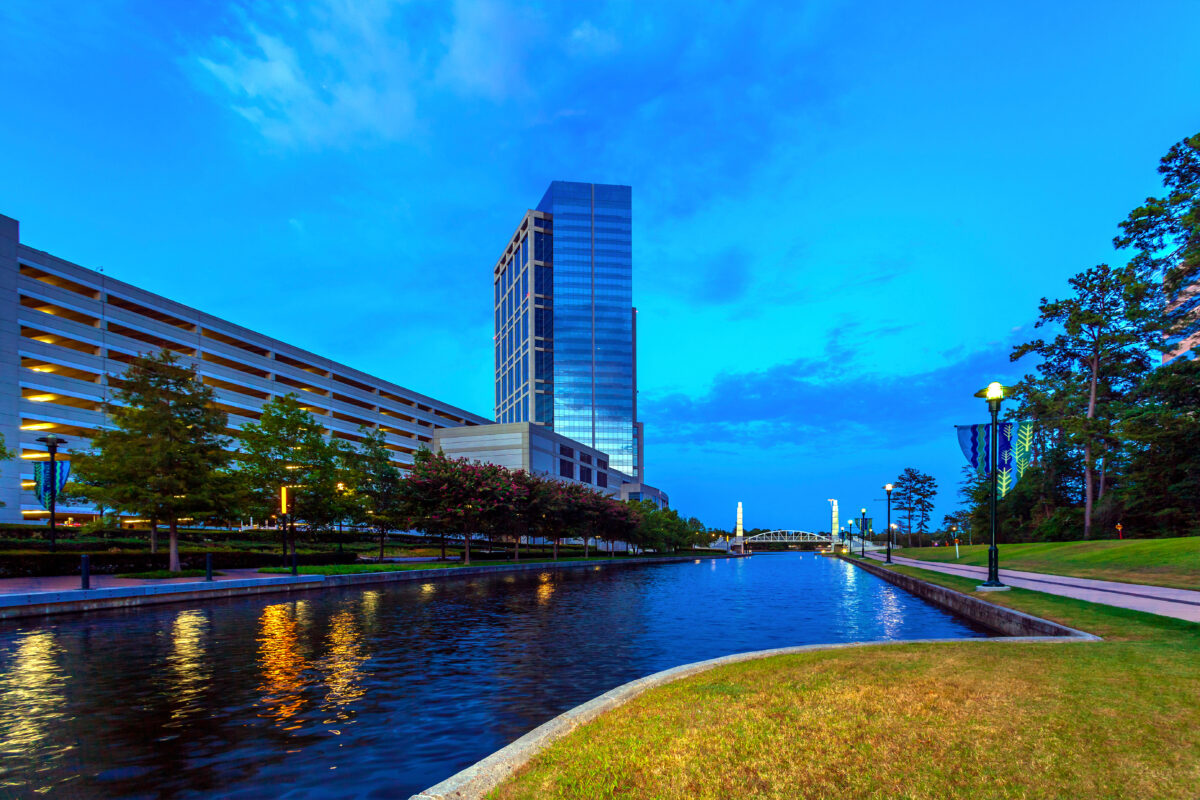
pixel 481 777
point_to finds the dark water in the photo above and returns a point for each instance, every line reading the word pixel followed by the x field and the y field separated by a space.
pixel 381 692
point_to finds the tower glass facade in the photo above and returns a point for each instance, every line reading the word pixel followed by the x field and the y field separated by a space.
pixel 565 347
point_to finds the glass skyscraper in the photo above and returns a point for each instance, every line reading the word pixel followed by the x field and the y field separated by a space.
pixel 565 323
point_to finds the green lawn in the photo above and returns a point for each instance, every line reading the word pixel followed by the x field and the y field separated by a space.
pixel 1112 719
pixel 1161 562
pixel 163 574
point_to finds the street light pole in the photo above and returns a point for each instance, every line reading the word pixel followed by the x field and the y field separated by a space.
pixel 862 535
pixel 51 441
pixel 994 394
pixel 887 487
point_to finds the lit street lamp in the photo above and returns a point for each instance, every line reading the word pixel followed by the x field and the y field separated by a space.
pixel 994 394
pixel 52 442
pixel 862 534
pixel 887 487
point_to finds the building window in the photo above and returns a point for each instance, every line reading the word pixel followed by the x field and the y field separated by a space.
pixel 563 450
pixel 602 480
pixel 601 463
pixel 585 458
pixel 585 474
pixel 566 469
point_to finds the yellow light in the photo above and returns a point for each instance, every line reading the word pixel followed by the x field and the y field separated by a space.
pixel 28 484
pixel 31 513
pixel 283 500
pixel 40 398
pixel 995 391
pixel 42 369
pixel 37 426
pixel 35 455
pixel 887 487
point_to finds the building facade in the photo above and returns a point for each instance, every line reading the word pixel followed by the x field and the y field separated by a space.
pixel 565 343
pixel 66 330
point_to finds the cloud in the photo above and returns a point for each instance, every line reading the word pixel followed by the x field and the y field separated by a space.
pixel 332 74
pixel 587 39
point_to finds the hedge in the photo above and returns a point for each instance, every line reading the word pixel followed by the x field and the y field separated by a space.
pixel 48 564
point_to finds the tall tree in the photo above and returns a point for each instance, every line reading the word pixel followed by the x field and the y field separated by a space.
pixel 164 454
pixel 286 448
pixel 378 487
pixel 1164 232
pixel 1107 328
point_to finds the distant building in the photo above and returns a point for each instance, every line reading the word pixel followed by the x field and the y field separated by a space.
pixel 66 330
pixel 565 326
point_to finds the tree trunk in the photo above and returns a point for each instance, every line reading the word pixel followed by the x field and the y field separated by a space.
pixel 153 535
pixel 466 548
pixel 516 548
pixel 382 536
pixel 556 549
pixel 585 547
pixel 612 550
pixel 1087 448
pixel 173 563
pixel 443 547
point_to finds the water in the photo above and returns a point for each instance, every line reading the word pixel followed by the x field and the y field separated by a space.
pixel 381 692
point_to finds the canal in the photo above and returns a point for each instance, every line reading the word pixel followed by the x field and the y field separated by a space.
pixel 383 691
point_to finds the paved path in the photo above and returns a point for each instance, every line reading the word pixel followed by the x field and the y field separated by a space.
pixel 1180 603
pixel 66 583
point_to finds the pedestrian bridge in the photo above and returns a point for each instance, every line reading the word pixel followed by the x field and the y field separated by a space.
pixel 795 537
pixel 808 537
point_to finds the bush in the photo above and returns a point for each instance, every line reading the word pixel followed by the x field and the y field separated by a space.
pixel 47 564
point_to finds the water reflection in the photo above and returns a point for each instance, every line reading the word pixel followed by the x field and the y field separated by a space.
pixel 34 702
pixel 282 664
pixel 341 667
pixel 187 664
pixel 399 685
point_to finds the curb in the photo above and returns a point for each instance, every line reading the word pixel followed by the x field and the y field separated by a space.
pixel 42 604
pixel 483 776
pixel 1007 621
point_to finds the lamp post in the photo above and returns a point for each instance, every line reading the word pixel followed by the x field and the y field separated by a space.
pixel 862 535
pixel 52 442
pixel 954 533
pixel 887 487
pixel 994 394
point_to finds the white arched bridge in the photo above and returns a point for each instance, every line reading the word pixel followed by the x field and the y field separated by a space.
pixel 805 537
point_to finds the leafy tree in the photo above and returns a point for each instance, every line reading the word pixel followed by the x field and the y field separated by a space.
pixel 913 494
pixel 164 455
pixel 1107 329
pixel 1161 491
pixel 377 486
pixel 1165 234
pixel 286 448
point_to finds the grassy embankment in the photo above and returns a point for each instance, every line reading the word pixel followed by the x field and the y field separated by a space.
pixel 358 569
pixel 1161 562
pixel 983 719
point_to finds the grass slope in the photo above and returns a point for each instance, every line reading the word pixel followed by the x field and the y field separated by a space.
pixel 982 719
pixel 359 569
pixel 1161 562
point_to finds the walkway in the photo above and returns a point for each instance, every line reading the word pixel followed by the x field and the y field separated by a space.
pixel 1167 602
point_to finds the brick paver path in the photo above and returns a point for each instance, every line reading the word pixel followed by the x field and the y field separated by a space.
pixel 1179 603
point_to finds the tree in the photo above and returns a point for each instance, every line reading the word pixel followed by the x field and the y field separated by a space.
pixel 286 449
pixel 1108 327
pixel 377 486
pixel 1165 233
pixel 1161 491
pixel 164 455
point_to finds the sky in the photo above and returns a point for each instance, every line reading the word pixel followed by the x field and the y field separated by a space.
pixel 845 213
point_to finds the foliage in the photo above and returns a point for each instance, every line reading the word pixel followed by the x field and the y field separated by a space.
pixel 913 494
pixel 164 455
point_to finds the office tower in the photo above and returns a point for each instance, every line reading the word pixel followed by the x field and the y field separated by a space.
pixel 565 344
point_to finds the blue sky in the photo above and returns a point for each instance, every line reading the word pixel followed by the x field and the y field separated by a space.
pixel 844 212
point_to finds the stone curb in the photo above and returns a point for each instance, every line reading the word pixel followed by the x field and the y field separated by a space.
pixel 1007 621
pixel 483 776
pixel 41 604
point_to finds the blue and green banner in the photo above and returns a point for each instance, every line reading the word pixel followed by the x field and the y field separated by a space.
pixel 41 480
pixel 1013 450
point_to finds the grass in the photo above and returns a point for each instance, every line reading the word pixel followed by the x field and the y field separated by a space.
pixel 162 574
pixel 982 719
pixel 358 569
pixel 1161 562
